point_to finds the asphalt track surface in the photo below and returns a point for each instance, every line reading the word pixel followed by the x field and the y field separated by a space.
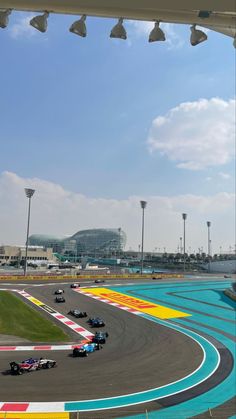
pixel 139 355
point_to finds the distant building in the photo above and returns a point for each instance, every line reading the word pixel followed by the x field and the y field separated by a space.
pixel 10 254
pixel 48 241
pixel 222 266
pixel 95 241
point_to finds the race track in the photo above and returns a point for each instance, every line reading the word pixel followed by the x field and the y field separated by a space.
pixel 141 353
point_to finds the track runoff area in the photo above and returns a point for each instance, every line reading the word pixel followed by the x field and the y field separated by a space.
pixel 170 353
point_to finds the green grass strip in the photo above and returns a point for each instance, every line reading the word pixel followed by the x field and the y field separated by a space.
pixel 18 319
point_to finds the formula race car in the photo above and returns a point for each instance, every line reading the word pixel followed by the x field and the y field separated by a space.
pixel 59 292
pixel 85 349
pixel 75 285
pixel 31 364
pixel 99 281
pixel 100 337
pixel 78 313
pixel 60 299
pixel 96 322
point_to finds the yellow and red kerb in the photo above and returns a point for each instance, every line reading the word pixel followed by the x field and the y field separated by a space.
pixel 143 306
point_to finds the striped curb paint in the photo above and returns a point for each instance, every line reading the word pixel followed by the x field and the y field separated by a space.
pixel 103 300
pixel 14 407
pixel 43 347
pixel 25 415
pixel 60 317
pixel 144 306
pixel 63 319
pixel 32 407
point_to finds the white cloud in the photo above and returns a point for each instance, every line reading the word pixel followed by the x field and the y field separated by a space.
pixel 224 175
pixel 140 29
pixel 21 28
pixel 196 135
pixel 60 212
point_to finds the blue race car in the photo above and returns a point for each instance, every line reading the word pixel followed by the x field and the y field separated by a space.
pixel 96 322
pixel 100 337
pixel 85 349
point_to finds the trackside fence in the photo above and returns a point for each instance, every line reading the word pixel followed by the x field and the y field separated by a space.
pixel 82 277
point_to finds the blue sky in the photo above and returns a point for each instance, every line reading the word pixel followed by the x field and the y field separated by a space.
pixel 84 115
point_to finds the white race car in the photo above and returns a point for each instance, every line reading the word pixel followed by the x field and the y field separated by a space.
pixel 31 364
pixel 59 292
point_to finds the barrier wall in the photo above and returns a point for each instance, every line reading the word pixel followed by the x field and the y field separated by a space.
pixel 82 277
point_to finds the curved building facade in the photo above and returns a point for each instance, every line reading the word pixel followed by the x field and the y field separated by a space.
pixel 99 240
pixel 56 243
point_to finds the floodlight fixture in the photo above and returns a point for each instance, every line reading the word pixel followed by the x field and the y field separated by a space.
pixel 204 14
pixel 184 217
pixel 118 31
pixel 29 192
pixel 197 36
pixel 79 27
pixel 156 33
pixel 143 206
pixel 40 22
pixel 4 18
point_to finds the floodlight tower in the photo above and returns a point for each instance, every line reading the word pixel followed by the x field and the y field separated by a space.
pixel 143 206
pixel 209 244
pixel 119 249
pixel 29 193
pixel 184 216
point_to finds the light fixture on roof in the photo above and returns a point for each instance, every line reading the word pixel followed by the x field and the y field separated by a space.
pixel 156 34
pixel 204 14
pixel 79 27
pixel 40 22
pixel 118 31
pixel 197 36
pixel 4 18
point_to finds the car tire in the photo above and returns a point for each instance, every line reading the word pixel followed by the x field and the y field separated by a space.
pixel 21 371
pixel 15 369
pixel 48 365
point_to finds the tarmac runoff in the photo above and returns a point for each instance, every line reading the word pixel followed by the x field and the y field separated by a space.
pixel 203 372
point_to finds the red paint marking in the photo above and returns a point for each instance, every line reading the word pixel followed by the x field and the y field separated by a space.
pixel 59 316
pixel 7 348
pixel 14 407
pixel 43 348
pixel 79 329
pixel 69 323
